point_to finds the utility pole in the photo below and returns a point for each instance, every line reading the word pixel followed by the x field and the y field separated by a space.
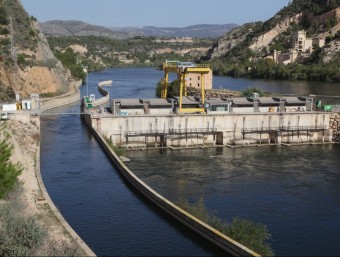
pixel 13 53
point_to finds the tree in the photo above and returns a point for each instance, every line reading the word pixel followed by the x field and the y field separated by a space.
pixel 8 171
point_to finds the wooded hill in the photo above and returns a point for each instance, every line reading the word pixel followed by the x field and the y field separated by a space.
pixel 101 52
pixel 27 64
pixel 244 51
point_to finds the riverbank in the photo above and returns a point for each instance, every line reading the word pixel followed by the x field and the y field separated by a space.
pixel 31 194
pixel 25 138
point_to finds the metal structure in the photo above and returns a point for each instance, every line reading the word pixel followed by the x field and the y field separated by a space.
pixel 285 129
pixel 164 135
pixel 182 69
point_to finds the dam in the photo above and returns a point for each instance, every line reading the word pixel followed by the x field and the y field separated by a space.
pixel 286 191
pixel 161 127
pixel 200 120
pixel 162 123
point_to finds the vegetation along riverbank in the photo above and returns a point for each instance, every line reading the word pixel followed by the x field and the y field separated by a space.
pixel 28 227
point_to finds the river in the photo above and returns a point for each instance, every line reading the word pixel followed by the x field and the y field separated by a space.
pixel 294 191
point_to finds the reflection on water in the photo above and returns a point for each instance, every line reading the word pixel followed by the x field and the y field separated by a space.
pixel 295 191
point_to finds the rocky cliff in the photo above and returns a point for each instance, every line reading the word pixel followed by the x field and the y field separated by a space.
pixel 320 19
pixel 229 41
pixel 27 64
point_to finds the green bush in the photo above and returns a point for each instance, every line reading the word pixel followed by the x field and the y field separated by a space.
pixel 3 16
pixel 19 235
pixel 4 31
pixel 249 91
pixel 117 149
pixel 70 60
pixel 8 171
pixel 253 235
pixel 159 88
pixel 173 88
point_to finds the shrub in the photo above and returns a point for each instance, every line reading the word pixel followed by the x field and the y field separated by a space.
pixel 4 31
pixel 19 235
pixel 249 91
pixel 117 149
pixel 253 235
pixel 8 171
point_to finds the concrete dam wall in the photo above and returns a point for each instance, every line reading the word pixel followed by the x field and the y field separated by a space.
pixel 215 129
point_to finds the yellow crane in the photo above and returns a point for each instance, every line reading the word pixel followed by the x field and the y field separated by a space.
pixel 182 69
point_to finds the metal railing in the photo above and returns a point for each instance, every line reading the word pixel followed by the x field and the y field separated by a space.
pixel 283 129
pixel 170 132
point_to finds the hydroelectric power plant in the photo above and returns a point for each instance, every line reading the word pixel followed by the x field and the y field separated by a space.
pixel 197 121
pixel 185 121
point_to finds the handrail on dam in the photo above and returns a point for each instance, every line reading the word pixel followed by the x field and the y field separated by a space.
pixel 284 129
pixel 171 132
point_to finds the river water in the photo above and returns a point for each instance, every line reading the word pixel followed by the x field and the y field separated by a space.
pixel 293 190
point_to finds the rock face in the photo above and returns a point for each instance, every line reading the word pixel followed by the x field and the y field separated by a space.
pixel 224 44
pixel 37 70
pixel 281 26
pixel 265 39
pixel 332 51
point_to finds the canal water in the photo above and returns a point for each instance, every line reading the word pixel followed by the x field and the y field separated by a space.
pixel 294 191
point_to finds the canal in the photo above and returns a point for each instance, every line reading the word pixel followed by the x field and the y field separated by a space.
pixel 294 191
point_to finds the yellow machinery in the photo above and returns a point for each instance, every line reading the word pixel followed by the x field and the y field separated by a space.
pixel 182 69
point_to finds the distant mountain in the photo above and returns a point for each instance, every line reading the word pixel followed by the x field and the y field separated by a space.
pixel 79 28
pixel 198 31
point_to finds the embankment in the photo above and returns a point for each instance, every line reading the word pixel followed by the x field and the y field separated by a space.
pixel 50 103
pixel 106 96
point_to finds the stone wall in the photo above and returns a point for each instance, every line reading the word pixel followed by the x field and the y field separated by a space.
pixel 334 124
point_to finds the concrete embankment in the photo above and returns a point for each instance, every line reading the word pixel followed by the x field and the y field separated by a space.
pixel 229 245
pixel 73 96
pixel 47 104
pixel 87 250
pixel 106 96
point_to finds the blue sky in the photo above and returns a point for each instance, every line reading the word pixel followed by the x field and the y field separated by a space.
pixel 138 13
